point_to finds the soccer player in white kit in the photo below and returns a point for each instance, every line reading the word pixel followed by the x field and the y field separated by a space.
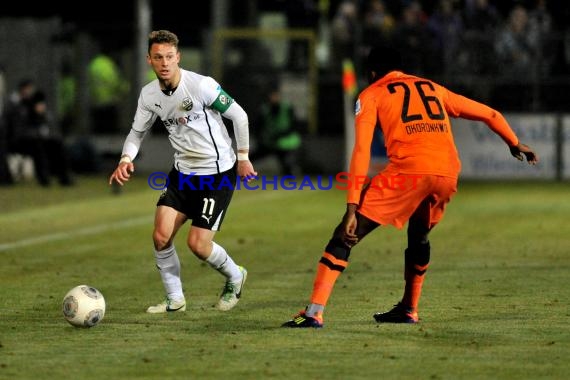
pixel 201 183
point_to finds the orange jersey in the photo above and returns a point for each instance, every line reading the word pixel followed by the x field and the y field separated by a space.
pixel 413 114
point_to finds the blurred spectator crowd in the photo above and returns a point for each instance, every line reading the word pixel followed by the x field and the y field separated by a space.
pixel 514 45
pixel 465 37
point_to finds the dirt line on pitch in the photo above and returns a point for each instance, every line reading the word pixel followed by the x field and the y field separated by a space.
pixel 260 195
pixel 75 233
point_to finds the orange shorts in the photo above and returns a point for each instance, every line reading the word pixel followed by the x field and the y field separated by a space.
pixel 392 198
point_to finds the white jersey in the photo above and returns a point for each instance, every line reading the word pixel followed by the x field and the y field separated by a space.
pixel 192 117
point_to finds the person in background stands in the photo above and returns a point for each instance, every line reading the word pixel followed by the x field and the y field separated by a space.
pixel 30 132
pixel 278 133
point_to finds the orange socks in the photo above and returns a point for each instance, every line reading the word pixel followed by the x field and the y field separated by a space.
pixel 328 270
pixel 414 277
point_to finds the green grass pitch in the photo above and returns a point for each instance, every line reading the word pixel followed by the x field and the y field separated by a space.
pixel 494 305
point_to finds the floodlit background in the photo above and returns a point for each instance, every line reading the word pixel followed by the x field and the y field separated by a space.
pixel 90 61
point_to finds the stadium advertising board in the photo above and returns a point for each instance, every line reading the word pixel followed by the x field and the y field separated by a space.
pixel 485 156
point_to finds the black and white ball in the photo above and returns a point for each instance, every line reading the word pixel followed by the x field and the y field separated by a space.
pixel 84 306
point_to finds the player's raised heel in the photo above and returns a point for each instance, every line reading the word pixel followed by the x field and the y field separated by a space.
pixel 167 306
pixel 231 293
pixel 302 321
pixel 399 314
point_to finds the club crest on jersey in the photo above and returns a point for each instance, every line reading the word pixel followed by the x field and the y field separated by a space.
pixel 187 104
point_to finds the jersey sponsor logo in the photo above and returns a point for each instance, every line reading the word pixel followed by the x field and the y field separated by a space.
pixel 357 107
pixel 181 120
pixel 187 104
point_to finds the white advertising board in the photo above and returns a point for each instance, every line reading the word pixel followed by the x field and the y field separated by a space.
pixel 484 155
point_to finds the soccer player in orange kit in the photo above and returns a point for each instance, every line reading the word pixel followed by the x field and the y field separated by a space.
pixel 413 114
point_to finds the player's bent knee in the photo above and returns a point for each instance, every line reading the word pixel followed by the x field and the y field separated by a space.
pixel 160 240
pixel 200 247
pixel 418 254
pixel 338 249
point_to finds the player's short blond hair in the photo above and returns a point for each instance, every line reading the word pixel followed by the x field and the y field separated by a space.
pixel 162 37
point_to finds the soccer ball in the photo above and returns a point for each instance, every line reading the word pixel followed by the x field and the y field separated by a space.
pixel 84 306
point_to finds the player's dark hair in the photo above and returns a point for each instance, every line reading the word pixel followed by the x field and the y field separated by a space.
pixel 38 97
pixel 383 59
pixel 162 37
pixel 26 82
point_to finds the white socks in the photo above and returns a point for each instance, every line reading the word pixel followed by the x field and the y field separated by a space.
pixel 223 263
pixel 314 309
pixel 169 266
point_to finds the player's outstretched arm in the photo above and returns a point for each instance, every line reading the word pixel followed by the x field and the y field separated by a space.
pixel 520 151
